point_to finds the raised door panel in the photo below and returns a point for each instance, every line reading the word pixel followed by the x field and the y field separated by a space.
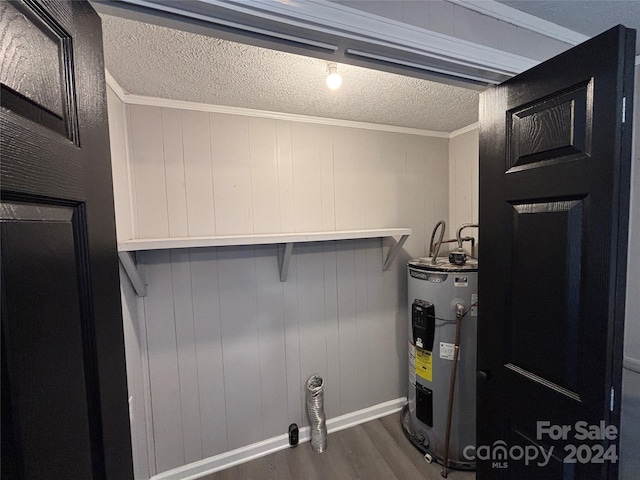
pixel 37 71
pixel 46 342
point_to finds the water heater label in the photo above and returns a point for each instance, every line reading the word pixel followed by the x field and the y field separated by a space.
pixel 429 276
pixel 461 281
pixel 446 351
pixel 424 364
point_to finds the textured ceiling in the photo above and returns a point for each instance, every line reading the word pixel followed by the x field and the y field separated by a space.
pixel 161 62
pixel 586 17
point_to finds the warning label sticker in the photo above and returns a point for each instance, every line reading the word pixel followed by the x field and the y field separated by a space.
pixel 474 305
pixel 424 364
pixel 412 364
pixel 446 351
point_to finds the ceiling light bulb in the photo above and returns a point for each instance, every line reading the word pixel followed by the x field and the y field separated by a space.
pixel 334 80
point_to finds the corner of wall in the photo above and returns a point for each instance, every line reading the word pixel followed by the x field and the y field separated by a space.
pixel 133 326
pixel 463 176
pixel 135 339
pixel 119 164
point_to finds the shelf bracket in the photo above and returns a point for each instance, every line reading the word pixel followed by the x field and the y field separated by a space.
pixel 284 255
pixel 393 251
pixel 129 265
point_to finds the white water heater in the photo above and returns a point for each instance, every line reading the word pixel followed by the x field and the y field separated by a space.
pixel 435 290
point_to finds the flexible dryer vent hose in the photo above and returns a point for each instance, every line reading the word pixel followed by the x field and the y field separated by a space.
pixel 315 411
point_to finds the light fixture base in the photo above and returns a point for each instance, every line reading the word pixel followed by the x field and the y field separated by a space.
pixel 334 80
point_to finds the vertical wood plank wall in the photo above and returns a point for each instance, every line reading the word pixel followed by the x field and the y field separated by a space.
pixel 228 347
pixel 463 181
pixel 119 166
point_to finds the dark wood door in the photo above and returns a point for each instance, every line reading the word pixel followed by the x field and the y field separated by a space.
pixel 64 393
pixel 554 200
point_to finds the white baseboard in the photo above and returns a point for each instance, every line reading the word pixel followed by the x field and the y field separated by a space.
pixel 225 460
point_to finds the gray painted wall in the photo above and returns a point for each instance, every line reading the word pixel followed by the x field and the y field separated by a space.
pixel 230 346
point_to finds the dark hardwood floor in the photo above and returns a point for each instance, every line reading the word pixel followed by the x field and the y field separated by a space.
pixel 377 450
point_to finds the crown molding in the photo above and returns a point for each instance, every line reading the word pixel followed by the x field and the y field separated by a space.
pixel 115 86
pixel 522 19
pixel 293 117
pixel 248 112
pixel 463 130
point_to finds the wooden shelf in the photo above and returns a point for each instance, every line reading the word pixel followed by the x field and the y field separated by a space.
pixel 256 239
pixel 284 241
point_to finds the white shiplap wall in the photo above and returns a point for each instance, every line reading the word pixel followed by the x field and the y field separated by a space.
pixel 120 165
pixel 198 173
pixel 227 346
pixel 463 180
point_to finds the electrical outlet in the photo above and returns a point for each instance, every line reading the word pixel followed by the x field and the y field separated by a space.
pixel 293 435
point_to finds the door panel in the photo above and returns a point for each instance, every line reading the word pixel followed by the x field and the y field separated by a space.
pixel 554 304
pixel 551 130
pixel 36 73
pixel 45 356
pixel 64 393
pixel 554 183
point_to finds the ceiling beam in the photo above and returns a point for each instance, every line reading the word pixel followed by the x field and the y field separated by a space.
pixel 516 17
